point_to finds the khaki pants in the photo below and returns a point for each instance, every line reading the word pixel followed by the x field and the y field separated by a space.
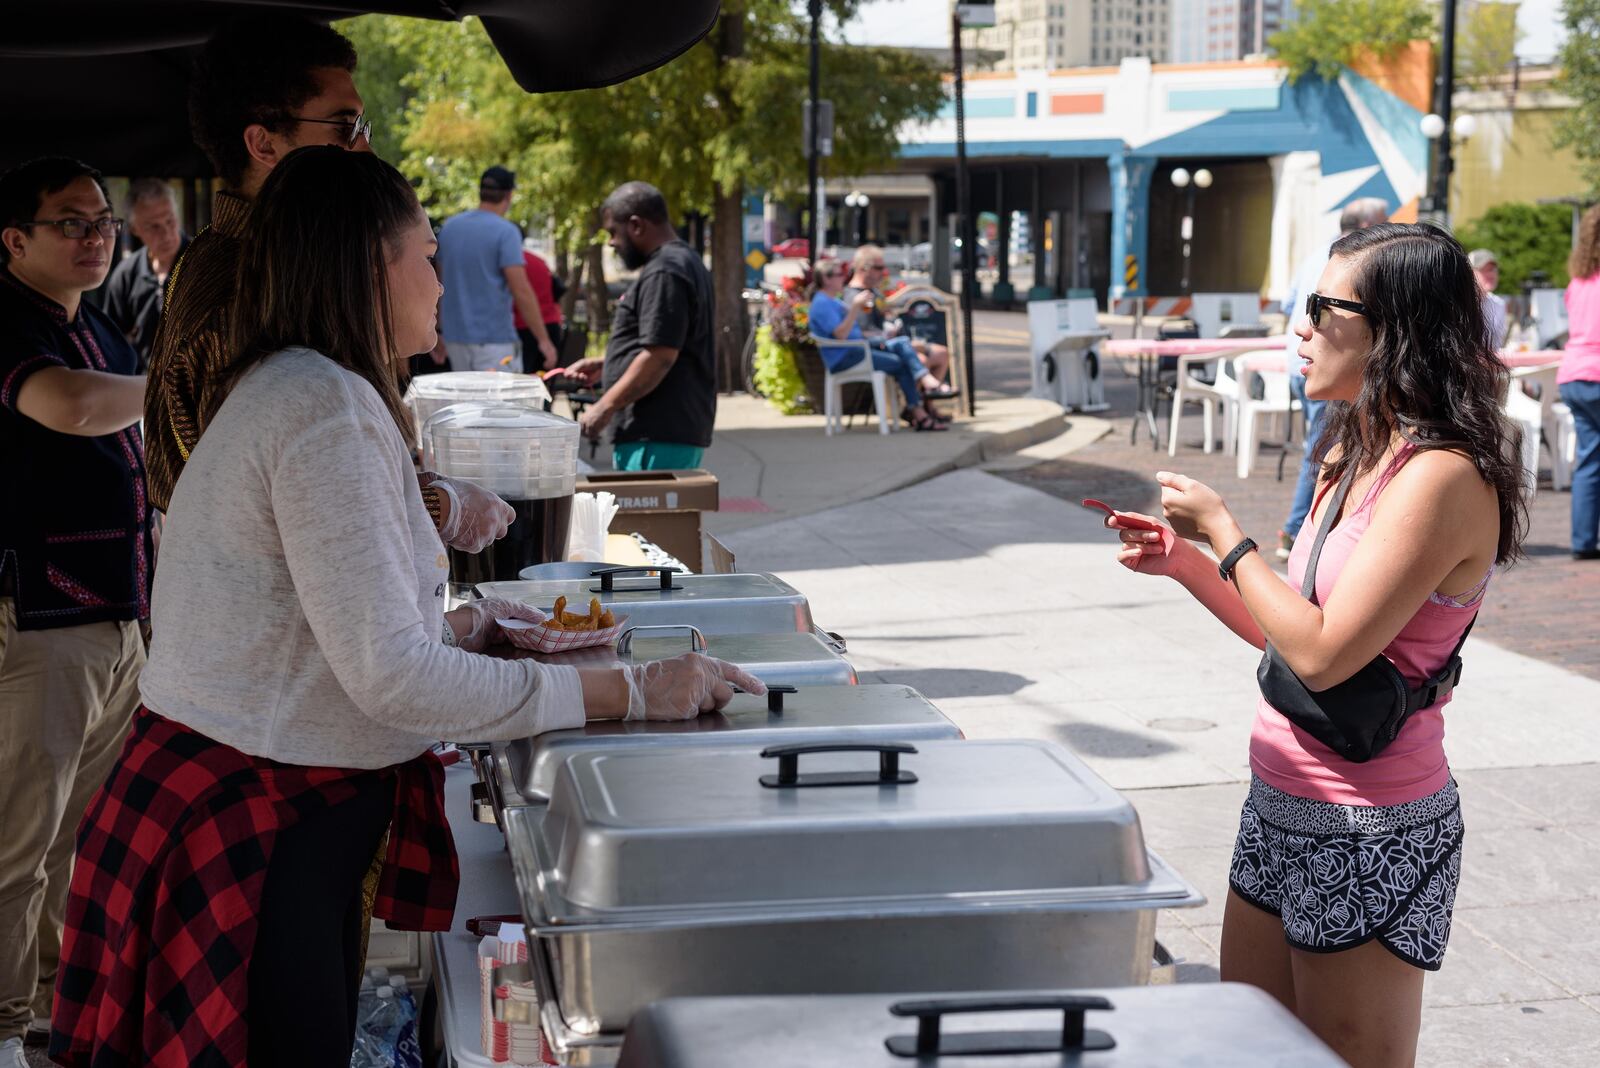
pixel 67 697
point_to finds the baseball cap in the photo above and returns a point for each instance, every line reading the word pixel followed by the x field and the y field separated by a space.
pixel 498 177
pixel 1481 258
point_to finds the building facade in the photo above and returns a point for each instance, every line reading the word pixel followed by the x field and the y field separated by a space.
pixel 1057 34
pixel 1221 31
pixel 1088 156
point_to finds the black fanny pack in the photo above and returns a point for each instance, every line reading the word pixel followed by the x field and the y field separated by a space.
pixel 1358 717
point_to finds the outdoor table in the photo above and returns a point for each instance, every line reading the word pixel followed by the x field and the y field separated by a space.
pixel 488 888
pixel 1189 352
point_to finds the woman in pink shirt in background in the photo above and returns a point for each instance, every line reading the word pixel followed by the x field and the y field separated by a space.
pixel 1344 874
pixel 1579 382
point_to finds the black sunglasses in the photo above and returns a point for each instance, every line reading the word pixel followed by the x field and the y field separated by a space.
pixel 360 127
pixel 1315 302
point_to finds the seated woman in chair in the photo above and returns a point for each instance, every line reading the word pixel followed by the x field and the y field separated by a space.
pixel 831 317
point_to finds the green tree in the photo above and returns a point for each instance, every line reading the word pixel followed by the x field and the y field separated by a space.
pixel 1526 238
pixel 1579 60
pixel 1329 35
pixel 720 119
pixel 1486 40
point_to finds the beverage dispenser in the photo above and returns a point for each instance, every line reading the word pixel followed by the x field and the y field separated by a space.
pixel 528 457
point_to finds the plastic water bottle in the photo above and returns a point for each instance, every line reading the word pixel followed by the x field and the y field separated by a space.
pixel 378 1033
pixel 407 1050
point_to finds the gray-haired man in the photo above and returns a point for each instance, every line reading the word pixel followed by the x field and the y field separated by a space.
pixel 134 293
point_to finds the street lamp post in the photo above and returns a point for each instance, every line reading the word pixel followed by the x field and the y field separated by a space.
pixel 812 162
pixel 859 201
pixel 1200 179
pixel 1437 202
pixel 967 233
pixel 1445 134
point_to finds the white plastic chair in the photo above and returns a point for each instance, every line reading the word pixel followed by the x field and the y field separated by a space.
pixel 1206 309
pixel 1563 445
pixel 833 384
pixel 1527 414
pixel 1276 403
pixel 1219 396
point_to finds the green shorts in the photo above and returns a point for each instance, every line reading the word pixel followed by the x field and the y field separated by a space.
pixel 655 456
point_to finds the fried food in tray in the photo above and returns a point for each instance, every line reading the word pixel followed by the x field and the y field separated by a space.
pixel 597 619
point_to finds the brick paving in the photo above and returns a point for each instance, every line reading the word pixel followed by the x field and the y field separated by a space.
pixel 1546 606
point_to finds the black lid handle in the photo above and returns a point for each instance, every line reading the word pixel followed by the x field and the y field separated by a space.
pixel 608 577
pixel 928 1042
pixel 774 697
pixel 789 777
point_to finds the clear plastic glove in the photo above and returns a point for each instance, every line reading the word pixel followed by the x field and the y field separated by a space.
pixel 477 516
pixel 685 686
pixel 484 631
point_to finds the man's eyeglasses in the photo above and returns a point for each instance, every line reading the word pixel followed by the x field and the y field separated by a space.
pixel 876 267
pixel 358 128
pixel 1316 302
pixel 78 229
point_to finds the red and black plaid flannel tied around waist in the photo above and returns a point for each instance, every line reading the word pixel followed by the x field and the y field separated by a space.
pixel 172 857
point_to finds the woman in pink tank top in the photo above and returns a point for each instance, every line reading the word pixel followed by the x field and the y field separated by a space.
pixel 1349 849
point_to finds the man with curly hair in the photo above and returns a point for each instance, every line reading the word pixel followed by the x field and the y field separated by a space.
pixel 264 86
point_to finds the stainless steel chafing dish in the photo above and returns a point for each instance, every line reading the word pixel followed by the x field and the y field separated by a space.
pixel 1199 1025
pixel 991 865
pixel 525 771
pixel 783 659
pixel 649 596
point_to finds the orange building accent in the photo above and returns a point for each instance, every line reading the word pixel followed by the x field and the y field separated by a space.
pixel 1407 74
pixel 1077 103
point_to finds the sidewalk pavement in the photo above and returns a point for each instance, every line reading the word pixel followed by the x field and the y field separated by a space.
pixel 1005 607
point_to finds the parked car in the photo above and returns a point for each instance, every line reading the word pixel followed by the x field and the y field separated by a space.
pixel 792 248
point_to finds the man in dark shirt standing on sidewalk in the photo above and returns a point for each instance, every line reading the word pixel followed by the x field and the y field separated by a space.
pixel 75 556
pixel 659 370
pixel 139 282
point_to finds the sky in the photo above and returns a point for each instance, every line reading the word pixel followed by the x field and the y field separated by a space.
pixel 927 23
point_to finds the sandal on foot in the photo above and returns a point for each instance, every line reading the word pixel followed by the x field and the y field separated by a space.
pixel 945 391
pixel 923 425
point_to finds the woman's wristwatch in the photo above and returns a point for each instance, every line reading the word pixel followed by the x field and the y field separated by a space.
pixel 1229 562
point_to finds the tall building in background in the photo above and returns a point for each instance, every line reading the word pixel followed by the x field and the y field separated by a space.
pixel 1216 31
pixel 1051 34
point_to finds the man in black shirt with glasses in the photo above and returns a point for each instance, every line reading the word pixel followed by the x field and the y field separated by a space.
pixel 75 557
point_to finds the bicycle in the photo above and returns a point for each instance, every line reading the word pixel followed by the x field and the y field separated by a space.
pixel 755 304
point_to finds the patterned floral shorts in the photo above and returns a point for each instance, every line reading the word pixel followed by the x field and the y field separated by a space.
pixel 1341 875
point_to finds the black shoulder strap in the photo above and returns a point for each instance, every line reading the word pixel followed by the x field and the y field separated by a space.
pixel 1308 588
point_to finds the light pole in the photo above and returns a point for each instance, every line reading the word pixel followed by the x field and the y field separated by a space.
pixel 966 231
pixel 859 201
pixel 812 162
pixel 1201 179
pixel 1437 202
pixel 1436 206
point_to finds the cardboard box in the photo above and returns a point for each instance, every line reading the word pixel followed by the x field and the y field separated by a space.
pixel 663 506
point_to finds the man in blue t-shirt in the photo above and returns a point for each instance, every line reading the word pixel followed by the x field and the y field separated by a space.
pixel 480 264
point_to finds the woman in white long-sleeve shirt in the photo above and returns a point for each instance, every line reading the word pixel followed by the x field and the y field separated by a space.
pixel 302 666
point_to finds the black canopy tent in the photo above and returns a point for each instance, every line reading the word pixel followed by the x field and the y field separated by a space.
pixel 106 80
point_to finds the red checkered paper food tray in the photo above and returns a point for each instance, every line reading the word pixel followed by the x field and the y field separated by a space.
pixel 543 638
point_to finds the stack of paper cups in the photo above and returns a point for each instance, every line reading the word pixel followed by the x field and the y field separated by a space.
pixel 591 519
